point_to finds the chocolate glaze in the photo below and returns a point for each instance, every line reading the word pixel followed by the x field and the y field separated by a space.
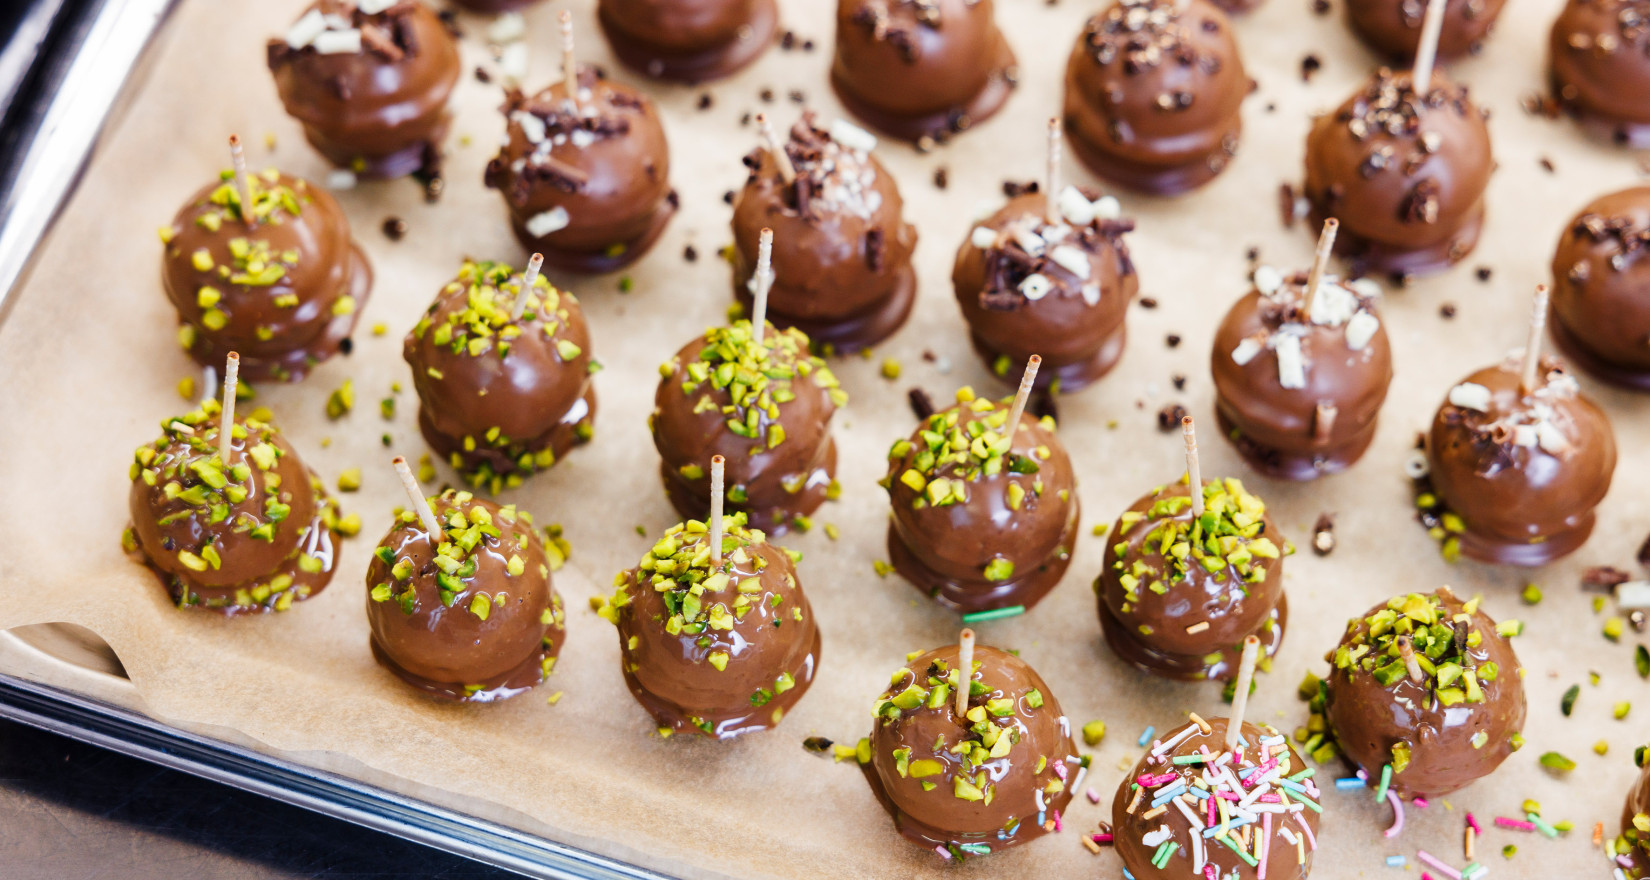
pixel 1406 178
pixel 1599 71
pixel 758 626
pixel 947 550
pixel 293 297
pixel 688 40
pixel 771 483
pixel 1277 429
pixel 1077 326
pixel 1522 504
pixel 502 399
pixel 1238 7
pixel 1393 27
pixel 916 69
pixel 264 538
pixel 842 250
pixel 1232 607
pixel 476 638
pixel 1600 316
pixel 380 111
pixel 602 169
pixel 1044 757
pixel 1130 827
pixel 1369 718
pixel 1154 95
pixel 1633 843
pixel 494 7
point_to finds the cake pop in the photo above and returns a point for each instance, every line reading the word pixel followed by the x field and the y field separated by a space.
pixel 1600 316
pixel 1599 71
pixel 1393 27
pixel 1631 848
pixel 688 40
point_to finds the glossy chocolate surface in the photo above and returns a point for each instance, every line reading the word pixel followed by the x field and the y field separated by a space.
pixel 1405 176
pixel 1600 308
pixel 486 630
pixel 284 293
pixel 252 536
pixel 1525 474
pixel 688 40
pixel 1633 844
pixel 1154 94
pixel 1194 628
pixel 1009 538
pixel 730 659
pixel 1599 71
pixel 380 110
pixel 1290 431
pixel 1075 322
pixel 1393 27
pixel 586 184
pixel 988 798
pixel 842 249
pixel 1452 739
pixel 500 398
pixel 916 69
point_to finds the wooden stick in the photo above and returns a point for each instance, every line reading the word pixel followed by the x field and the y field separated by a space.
pixel 782 159
pixel 238 159
pixel 528 279
pixel 1320 263
pixel 1194 472
pixel 1051 204
pixel 1406 650
pixel 1020 397
pixel 1323 422
pixel 1240 697
pixel 569 62
pixel 226 419
pixel 1532 348
pixel 1426 54
pixel 764 283
pixel 415 494
pixel 965 669
pixel 718 466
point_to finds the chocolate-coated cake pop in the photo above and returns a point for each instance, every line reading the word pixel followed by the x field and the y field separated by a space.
pixel 688 40
pixel 285 291
pixel 471 614
pixel 1393 27
pixel 502 397
pixel 1446 719
pixel 974 779
pixel 1238 7
pixel 1166 826
pixel 1154 94
pixel 1599 69
pixel 1059 287
pixel 1404 173
pixel 1180 587
pixel 718 645
pixel 1631 848
pixel 1298 385
pixel 921 70
pixel 842 265
pixel 766 406
pixel 369 80
pixel 242 528
pixel 494 7
pixel 982 520
pixel 1600 313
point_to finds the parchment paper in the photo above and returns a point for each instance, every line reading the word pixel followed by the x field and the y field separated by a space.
pixel 90 366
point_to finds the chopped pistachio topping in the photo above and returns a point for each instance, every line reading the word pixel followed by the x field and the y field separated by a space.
pixel 758 380
pixel 485 323
pixel 1441 641
pixel 468 528
pixel 959 446
pixel 1228 538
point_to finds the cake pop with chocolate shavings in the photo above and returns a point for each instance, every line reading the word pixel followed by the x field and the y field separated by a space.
pixel 1599 70
pixel 1393 27
pixel 1600 313
pixel 689 41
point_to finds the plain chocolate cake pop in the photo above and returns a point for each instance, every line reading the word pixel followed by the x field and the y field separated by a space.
pixel 585 176
pixel 1185 580
pixel 1599 69
pixel 236 526
pixel 1404 172
pixel 842 265
pixel 1600 314
pixel 1154 94
pixel 975 775
pixel 1520 457
pixel 459 598
pixel 369 80
pixel 688 40
pixel 715 633
pixel 1393 27
pixel 503 368
pixel 1299 384
pixel 985 517
pixel 921 70
pixel 1427 685
pixel 285 290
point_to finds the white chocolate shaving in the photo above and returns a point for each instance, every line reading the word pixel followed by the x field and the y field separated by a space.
pixel 982 237
pixel 852 136
pixel 553 220
pixel 1036 286
pixel 507 28
pixel 304 31
pixel 1268 280
pixel 346 42
pixel 1551 438
pixel 1072 259
pixel 373 7
pixel 1360 330
pixel 1091 294
pixel 1470 395
pixel 1291 364
pixel 1107 208
pixel 1246 351
pixel 1332 304
pixel 1075 207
